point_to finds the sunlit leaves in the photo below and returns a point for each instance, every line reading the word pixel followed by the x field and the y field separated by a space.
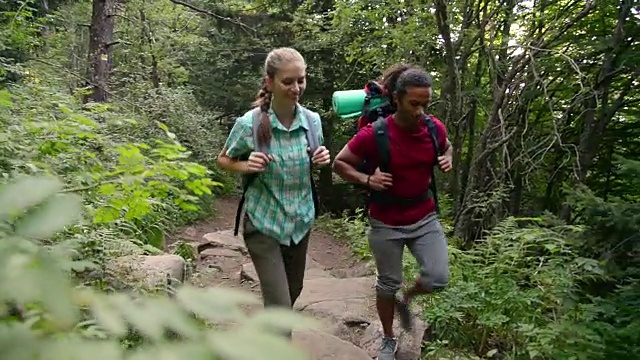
pixel 150 175
pixel 5 99
pixel 37 212
pixel 53 326
pixel 18 196
pixel 122 176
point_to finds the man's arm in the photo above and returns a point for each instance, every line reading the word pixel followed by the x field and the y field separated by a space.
pixel 448 151
pixel 445 161
pixel 353 154
pixel 345 166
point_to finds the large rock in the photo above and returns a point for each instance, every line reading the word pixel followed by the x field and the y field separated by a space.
pixel 224 239
pixel 322 346
pixel 338 299
pixel 150 271
pixel 409 343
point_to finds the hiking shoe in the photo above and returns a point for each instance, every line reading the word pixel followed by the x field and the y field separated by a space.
pixel 402 307
pixel 388 349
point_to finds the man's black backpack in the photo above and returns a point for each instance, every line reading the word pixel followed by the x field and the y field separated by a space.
pixel 376 116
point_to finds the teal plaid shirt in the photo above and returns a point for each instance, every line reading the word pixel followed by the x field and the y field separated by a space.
pixel 279 202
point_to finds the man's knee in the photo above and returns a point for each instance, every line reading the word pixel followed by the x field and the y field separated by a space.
pixel 435 281
pixel 388 286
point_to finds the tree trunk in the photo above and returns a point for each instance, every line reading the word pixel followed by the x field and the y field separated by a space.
pixel 486 172
pixel 594 120
pixel 100 42
pixel 148 36
pixel 468 224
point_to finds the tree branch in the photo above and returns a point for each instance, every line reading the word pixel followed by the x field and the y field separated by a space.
pixel 490 149
pixel 88 187
pixel 217 16
pixel 119 42
pixel 523 59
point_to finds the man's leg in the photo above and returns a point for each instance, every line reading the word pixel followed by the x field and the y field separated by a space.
pixel 388 257
pixel 431 253
pixel 295 262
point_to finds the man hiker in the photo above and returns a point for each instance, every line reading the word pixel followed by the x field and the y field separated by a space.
pixel 401 208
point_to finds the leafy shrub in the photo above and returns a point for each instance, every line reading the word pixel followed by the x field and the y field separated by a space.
pixel 517 293
pixel 195 128
pixel 43 315
pixel 525 291
pixel 133 184
pixel 352 228
pixel 134 191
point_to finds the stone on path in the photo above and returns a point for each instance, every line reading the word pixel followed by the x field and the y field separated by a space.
pixel 409 344
pixel 150 270
pixel 313 271
pixel 323 346
pixel 190 231
pixel 225 239
pixel 248 272
pixel 219 252
pixel 338 299
pixel 345 305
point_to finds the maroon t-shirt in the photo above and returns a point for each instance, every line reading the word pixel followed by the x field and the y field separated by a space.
pixel 411 158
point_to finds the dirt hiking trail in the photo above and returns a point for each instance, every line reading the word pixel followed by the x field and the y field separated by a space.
pixel 338 289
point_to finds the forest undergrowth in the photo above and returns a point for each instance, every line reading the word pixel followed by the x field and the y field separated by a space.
pixel 85 184
pixel 534 288
pixel 112 114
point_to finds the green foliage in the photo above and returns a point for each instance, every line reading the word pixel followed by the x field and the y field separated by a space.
pixel 530 289
pixel 518 292
pixel 43 315
pixel 354 228
pixel 150 68
pixel 135 185
pixel 184 250
pixel 18 36
pixel 565 108
pixel 194 127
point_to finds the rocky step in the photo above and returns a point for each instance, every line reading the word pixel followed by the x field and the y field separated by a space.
pixel 224 244
pixel 222 239
pixel 320 345
pixel 148 271
pixel 345 307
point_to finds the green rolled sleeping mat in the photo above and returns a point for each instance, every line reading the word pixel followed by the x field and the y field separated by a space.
pixel 348 103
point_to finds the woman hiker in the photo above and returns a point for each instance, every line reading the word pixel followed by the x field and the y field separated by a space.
pixel 406 217
pixel 279 202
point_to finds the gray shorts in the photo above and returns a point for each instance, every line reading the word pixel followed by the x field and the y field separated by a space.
pixel 426 241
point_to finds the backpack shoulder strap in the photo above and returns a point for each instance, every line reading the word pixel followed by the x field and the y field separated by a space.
pixel 380 132
pixel 433 132
pixel 312 133
pixel 256 116
pixel 247 180
pixel 382 140
pixel 314 144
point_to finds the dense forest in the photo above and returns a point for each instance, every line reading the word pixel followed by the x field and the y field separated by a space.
pixel 113 112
